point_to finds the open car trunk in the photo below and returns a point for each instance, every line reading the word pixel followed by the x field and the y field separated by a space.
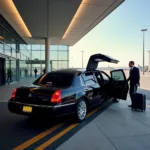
pixel 96 58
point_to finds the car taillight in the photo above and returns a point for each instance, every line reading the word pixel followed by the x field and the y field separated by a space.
pixel 56 97
pixel 14 94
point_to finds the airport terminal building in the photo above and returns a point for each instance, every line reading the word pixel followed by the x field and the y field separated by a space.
pixel 38 35
pixel 16 54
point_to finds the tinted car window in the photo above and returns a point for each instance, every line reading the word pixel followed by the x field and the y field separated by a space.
pixel 56 79
pixel 105 77
pixel 89 82
pixel 37 80
pixel 98 75
pixel 118 75
pixel 76 81
pixel 90 79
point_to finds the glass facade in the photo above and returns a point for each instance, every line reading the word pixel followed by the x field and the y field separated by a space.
pixel 59 57
pixel 17 56
pixel 13 50
pixel 12 53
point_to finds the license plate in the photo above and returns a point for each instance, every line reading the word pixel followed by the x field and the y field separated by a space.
pixel 27 109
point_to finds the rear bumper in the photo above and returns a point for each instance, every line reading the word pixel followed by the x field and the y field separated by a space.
pixel 57 110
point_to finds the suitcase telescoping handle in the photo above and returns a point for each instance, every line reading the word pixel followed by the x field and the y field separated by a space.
pixel 136 89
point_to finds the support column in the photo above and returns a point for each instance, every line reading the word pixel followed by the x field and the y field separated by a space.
pixel 31 69
pixel 47 54
pixel 31 59
pixel 18 70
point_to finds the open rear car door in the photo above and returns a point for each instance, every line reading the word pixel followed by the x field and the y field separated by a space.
pixel 120 85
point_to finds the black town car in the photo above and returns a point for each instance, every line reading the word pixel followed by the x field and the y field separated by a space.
pixel 70 91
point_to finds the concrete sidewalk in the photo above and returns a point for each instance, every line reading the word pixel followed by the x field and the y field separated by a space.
pixel 118 128
pixel 6 90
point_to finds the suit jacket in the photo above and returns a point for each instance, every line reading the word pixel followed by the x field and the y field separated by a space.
pixel 134 76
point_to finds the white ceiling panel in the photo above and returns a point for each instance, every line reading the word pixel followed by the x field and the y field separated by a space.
pixel 80 23
pixel 34 14
pixel 55 18
pixel 91 11
pixel 47 17
pixel 99 2
pixel 4 8
pixel 65 42
pixel 75 32
pixel 61 13
pixel 73 37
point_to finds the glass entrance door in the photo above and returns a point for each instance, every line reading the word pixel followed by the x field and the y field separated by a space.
pixel 7 67
pixel 2 71
pixel 12 66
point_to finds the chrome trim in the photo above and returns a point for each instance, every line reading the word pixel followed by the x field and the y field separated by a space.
pixel 57 106
pixel 31 104
pixel 64 105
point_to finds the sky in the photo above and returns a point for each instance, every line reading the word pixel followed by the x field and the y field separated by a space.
pixel 118 35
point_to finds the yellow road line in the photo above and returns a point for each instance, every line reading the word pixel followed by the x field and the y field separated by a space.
pixel 56 137
pixel 53 139
pixel 92 112
pixel 37 137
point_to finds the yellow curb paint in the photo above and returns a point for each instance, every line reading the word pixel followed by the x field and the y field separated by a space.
pixel 37 138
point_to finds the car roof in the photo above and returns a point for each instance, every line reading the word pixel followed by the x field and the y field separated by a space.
pixel 70 71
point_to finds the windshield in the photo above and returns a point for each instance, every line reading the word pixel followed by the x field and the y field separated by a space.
pixel 55 79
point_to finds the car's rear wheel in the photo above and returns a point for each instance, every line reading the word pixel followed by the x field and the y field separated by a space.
pixel 81 110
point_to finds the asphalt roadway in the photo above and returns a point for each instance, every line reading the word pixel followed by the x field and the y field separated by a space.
pixel 21 132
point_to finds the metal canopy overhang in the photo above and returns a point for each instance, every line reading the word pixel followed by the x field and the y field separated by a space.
pixel 64 21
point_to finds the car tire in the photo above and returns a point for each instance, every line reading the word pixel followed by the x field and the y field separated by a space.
pixel 81 110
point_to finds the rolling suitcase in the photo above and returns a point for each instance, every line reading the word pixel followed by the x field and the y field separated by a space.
pixel 138 101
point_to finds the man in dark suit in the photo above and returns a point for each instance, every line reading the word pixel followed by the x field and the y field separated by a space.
pixel 134 79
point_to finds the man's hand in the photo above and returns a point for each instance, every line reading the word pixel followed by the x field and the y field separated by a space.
pixel 128 79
